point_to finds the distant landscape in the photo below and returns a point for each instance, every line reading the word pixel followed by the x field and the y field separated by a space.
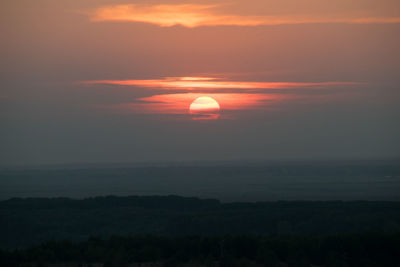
pixel 337 213
pixel 226 181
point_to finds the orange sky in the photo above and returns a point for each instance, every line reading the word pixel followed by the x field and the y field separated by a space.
pixel 320 77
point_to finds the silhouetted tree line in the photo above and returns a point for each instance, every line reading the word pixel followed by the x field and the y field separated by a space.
pixel 29 221
pixel 345 250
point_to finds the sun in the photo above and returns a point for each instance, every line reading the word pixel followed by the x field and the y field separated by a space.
pixel 204 107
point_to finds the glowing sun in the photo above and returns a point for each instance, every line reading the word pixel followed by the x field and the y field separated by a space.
pixel 204 107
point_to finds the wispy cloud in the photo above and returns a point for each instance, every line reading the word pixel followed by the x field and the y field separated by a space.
pixel 210 83
pixel 195 15
pixel 179 103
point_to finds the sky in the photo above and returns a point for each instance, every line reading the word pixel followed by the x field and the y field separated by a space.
pixel 101 81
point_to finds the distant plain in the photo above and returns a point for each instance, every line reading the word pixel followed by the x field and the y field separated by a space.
pixel 226 181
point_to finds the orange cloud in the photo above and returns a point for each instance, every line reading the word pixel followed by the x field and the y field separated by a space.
pixel 204 83
pixel 195 15
pixel 180 103
pixel 244 95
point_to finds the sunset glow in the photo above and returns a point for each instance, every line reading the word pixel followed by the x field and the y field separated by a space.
pixel 204 103
pixel 198 105
pixel 204 107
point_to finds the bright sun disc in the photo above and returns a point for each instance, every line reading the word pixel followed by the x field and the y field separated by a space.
pixel 204 107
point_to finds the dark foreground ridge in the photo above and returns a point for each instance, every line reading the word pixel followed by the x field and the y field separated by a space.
pixel 227 251
pixel 24 222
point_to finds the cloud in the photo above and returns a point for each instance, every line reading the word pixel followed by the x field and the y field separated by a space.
pixel 212 83
pixel 195 15
pixel 180 92
pixel 179 103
